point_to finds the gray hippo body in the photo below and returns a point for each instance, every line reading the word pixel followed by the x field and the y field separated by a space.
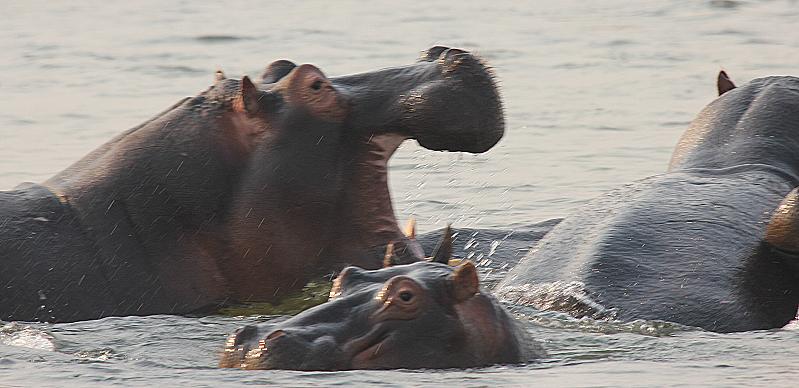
pixel 688 246
pixel 53 268
pixel 242 193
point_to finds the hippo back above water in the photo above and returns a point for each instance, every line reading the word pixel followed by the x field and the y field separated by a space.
pixel 701 244
pixel 239 194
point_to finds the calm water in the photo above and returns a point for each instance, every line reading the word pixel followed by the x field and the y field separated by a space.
pixel 597 94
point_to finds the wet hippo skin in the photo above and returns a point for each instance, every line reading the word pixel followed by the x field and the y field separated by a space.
pixel 241 193
pixel 711 243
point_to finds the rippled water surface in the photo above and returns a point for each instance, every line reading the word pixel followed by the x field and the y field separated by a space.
pixel 596 93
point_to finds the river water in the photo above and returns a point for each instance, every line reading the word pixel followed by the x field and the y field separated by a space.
pixel 596 94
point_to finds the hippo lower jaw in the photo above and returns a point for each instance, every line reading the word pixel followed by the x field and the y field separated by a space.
pixel 367 207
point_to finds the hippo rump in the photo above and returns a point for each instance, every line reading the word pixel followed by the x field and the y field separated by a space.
pixel 242 193
pixel 700 245
pixel 421 315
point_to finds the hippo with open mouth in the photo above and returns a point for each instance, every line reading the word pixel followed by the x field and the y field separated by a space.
pixel 712 243
pixel 421 315
pixel 242 193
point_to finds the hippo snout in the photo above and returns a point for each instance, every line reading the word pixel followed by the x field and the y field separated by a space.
pixel 281 348
pixel 447 101
pixel 465 104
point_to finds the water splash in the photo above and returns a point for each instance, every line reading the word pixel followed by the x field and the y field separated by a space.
pixel 16 334
pixel 569 297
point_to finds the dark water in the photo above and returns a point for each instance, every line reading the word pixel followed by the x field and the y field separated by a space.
pixel 596 93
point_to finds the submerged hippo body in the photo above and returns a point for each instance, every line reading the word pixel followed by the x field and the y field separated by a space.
pixel 241 193
pixel 688 246
pixel 420 315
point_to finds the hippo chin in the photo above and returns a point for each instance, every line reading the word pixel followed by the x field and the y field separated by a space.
pixel 213 201
pixel 702 244
pixel 420 315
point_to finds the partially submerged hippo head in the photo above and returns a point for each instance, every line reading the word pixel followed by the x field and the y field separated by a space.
pixel 420 315
pixel 314 195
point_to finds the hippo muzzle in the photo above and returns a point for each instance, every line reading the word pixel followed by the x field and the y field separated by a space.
pixel 319 340
pixel 447 101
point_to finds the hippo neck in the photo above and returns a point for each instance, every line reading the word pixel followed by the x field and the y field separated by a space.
pixel 142 191
pixel 283 211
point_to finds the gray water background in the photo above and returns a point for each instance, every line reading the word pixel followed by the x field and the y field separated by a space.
pixel 596 95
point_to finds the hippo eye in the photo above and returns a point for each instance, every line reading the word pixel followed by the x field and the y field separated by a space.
pixel 406 296
pixel 316 85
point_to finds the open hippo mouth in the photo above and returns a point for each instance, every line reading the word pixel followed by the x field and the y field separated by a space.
pixel 447 101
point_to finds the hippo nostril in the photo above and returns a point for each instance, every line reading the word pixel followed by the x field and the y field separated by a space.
pixel 316 85
pixel 351 273
pixel 452 53
pixel 277 70
pixel 453 57
pixel 275 334
pixel 433 53
pixel 241 335
pixel 465 64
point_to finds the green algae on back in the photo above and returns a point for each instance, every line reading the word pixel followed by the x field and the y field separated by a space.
pixel 312 294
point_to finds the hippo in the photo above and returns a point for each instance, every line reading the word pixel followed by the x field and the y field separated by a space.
pixel 426 314
pixel 241 193
pixel 712 243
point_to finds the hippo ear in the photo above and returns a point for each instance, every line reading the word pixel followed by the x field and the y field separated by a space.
pixel 724 83
pixel 464 281
pixel 782 231
pixel 410 228
pixel 443 251
pixel 219 76
pixel 277 70
pixel 248 100
pixel 389 259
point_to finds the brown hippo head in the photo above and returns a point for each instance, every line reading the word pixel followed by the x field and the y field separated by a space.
pixel 314 194
pixel 419 315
